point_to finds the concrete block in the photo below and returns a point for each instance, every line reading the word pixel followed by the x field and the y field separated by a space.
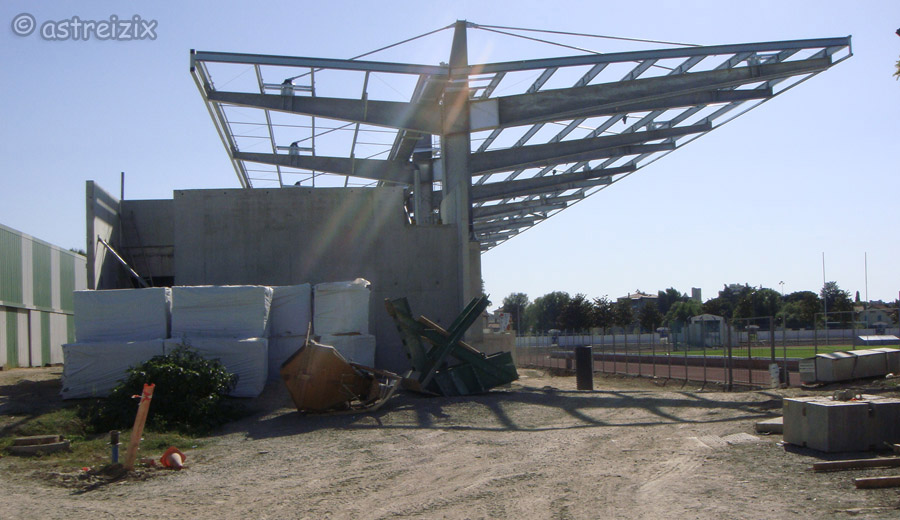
pixel 824 424
pixel 886 416
pixel 870 363
pixel 892 357
pixel 834 366
pixel 808 370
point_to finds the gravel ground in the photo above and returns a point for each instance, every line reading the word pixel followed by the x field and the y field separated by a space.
pixel 537 449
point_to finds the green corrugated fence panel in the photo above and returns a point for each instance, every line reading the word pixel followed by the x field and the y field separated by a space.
pixel 70 329
pixel 45 340
pixel 41 262
pixel 12 339
pixel 66 282
pixel 10 267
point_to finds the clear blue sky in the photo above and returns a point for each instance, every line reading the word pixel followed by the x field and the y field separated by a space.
pixel 757 201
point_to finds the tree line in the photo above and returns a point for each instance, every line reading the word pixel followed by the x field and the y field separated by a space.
pixel 673 309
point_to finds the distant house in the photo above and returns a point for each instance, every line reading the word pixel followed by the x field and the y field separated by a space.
pixel 875 312
pixel 639 300
pixel 498 321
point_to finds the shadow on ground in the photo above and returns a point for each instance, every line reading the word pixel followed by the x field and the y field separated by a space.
pixel 519 409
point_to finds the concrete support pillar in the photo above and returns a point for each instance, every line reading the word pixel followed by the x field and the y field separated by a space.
pixel 456 206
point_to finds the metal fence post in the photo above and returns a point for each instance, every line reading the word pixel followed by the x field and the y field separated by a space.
pixel 704 361
pixel 685 363
pixel 815 335
pixel 669 355
pixel 750 358
pixel 640 361
pixel 730 360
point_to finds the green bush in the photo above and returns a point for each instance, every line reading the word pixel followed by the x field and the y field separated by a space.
pixel 189 396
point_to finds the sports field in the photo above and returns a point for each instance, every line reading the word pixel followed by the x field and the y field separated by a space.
pixel 798 352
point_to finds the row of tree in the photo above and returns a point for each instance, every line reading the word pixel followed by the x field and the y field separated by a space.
pixel 559 310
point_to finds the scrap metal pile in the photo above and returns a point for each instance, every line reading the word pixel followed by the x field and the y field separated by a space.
pixel 319 379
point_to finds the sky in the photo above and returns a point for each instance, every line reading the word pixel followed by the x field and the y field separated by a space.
pixel 759 201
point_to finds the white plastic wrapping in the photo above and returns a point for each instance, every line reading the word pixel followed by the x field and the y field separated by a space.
pixel 94 369
pixel 280 349
pixel 341 307
pixel 356 348
pixel 232 311
pixel 291 310
pixel 248 358
pixel 122 315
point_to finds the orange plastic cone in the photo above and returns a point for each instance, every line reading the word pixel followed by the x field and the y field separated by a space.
pixel 173 458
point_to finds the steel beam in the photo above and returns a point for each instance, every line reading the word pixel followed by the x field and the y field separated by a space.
pixel 506 224
pixel 511 208
pixel 658 54
pixel 601 153
pixel 318 63
pixel 427 91
pixel 544 208
pixel 605 98
pixel 560 152
pixel 393 114
pixel 201 78
pixel 387 171
pixel 661 102
pixel 550 183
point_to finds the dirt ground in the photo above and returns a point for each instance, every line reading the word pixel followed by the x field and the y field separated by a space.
pixel 537 449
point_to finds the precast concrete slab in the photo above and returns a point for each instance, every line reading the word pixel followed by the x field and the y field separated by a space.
pixel 774 425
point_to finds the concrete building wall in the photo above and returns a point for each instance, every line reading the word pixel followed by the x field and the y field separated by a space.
pixel 102 215
pixel 148 240
pixel 300 235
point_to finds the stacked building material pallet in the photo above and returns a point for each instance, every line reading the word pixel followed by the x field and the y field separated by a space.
pixel 114 330
pixel 341 319
pixel 290 317
pixel 229 323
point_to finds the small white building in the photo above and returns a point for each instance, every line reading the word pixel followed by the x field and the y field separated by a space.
pixel 37 280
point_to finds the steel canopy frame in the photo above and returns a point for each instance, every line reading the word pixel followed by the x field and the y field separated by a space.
pixel 535 147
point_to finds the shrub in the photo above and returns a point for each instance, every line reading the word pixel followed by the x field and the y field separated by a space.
pixel 189 396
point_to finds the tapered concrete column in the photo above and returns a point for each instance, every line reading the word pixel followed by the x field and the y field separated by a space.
pixel 456 206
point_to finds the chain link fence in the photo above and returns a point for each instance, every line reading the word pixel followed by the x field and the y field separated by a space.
pixel 740 353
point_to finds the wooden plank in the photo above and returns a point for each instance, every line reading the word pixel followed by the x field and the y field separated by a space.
pixel 35 449
pixel 877 482
pixel 36 439
pixel 138 429
pixel 440 330
pixel 840 465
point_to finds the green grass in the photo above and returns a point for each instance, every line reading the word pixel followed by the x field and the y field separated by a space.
pixel 87 449
pixel 765 352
